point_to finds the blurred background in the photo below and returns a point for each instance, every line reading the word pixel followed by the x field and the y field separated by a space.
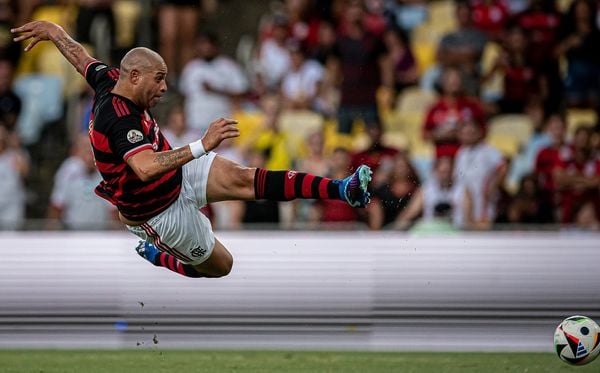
pixel 419 90
pixel 475 116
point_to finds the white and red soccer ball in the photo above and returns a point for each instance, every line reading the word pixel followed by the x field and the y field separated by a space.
pixel 577 340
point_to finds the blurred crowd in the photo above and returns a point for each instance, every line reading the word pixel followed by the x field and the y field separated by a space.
pixel 473 114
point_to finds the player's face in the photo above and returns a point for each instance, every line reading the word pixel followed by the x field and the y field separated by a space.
pixel 154 85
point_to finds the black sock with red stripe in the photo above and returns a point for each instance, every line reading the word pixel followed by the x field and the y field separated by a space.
pixel 288 185
pixel 173 264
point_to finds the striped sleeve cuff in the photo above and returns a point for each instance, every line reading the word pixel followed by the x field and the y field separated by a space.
pixel 136 150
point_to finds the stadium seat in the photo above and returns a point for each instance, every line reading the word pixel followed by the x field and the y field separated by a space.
pixel 493 88
pixel 396 140
pixel 517 126
pixel 424 53
pixel 506 144
pixel 580 117
pixel 300 123
pixel 127 13
pixel 563 5
pixel 442 12
pixel 415 100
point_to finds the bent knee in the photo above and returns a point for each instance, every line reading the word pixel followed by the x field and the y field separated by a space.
pixel 223 269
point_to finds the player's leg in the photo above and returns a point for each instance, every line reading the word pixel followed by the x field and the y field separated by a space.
pixel 218 264
pixel 228 180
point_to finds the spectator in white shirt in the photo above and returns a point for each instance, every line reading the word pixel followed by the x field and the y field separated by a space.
pixel 437 200
pixel 73 202
pixel 479 170
pixel 300 86
pixel 210 83
pixel 273 60
pixel 14 166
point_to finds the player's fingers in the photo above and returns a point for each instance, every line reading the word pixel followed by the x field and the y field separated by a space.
pixel 227 121
pixel 24 28
pixel 32 44
pixel 24 36
pixel 230 127
pixel 230 134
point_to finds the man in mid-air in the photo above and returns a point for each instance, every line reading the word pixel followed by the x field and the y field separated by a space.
pixel 159 190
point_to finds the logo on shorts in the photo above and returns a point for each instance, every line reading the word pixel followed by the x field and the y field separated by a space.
pixel 197 252
pixel 134 136
pixel 291 174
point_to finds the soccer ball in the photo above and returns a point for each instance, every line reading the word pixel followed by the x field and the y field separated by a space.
pixel 577 340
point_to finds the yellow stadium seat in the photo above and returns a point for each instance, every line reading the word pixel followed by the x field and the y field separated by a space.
pixel 494 86
pixel 415 100
pixel 300 123
pixel 563 5
pixel 396 140
pixel 424 53
pixel 580 117
pixel 441 11
pixel 517 126
pixel 506 144
pixel 127 13
pixel 422 150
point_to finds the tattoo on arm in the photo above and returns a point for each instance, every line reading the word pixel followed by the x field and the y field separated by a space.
pixel 173 159
pixel 73 52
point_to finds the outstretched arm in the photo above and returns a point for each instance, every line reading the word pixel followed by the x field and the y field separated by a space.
pixel 149 165
pixel 43 30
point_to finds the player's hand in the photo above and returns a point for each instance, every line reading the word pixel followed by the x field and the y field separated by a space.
pixel 36 31
pixel 219 130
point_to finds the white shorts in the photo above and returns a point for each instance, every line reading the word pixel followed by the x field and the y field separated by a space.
pixel 182 230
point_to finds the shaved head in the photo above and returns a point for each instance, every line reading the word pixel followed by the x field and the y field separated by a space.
pixel 141 59
pixel 142 78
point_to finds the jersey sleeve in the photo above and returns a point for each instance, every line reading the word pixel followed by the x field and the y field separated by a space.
pixel 126 137
pixel 100 76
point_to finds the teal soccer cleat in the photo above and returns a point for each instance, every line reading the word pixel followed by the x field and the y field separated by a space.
pixel 353 189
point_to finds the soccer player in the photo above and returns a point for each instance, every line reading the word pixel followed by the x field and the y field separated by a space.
pixel 158 190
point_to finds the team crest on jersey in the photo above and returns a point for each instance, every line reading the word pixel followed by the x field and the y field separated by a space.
pixel 134 136
pixel 291 174
pixel 199 251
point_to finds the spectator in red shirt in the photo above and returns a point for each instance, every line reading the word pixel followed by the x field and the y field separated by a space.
pixel 490 16
pixel 541 21
pixel 451 110
pixel 548 161
pixel 578 178
pixel 522 82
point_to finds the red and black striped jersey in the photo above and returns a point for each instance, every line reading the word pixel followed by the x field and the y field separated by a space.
pixel 118 130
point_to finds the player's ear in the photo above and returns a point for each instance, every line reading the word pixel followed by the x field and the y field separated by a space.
pixel 135 76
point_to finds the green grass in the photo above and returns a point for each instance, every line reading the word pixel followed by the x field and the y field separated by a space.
pixel 189 361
